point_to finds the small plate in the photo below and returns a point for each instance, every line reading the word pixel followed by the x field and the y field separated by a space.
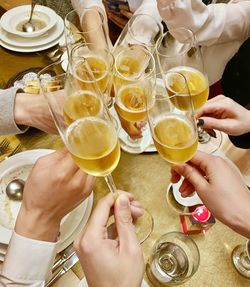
pixel 185 201
pixel 44 39
pixel 20 14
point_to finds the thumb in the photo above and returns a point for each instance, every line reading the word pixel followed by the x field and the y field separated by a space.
pixel 124 221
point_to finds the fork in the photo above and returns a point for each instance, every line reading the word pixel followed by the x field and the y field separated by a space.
pixel 4 146
pixel 16 150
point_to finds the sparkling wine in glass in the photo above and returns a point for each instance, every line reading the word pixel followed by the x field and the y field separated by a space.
pixel 185 57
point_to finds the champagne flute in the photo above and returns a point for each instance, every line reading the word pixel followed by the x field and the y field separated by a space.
pixel 142 30
pixel 91 27
pixel 83 122
pixel 186 58
pixel 173 128
pixel 100 61
pixel 241 259
pixel 85 126
pixel 134 75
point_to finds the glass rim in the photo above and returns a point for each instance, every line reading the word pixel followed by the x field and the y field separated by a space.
pixel 130 23
pixel 159 42
pixel 52 65
pixel 187 237
pixel 80 19
pixel 137 78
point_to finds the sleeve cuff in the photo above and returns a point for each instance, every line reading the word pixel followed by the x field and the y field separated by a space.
pixel 7 118
pixel 28 260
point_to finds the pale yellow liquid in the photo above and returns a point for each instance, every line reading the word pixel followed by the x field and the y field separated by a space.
pixel 131 103
pixel 94 146
pixel 99 68
pixel 81 104
pixel 175 139
pixel 197 84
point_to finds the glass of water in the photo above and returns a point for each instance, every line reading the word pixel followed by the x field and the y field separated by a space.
pixel 174 259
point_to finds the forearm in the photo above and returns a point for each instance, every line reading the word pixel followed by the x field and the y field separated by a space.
pixel 8 125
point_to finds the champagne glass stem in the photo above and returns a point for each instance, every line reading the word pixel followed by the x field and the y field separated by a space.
pixel 110 182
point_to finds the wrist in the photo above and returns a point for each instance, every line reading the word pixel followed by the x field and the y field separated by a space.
pixel 36 225
pixel 22 109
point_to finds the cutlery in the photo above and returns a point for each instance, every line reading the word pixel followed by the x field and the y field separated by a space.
pixel 28 26
pixel 14 189
pixel 65 268
pixel 16 150
pixel 68 252
pixel 4 145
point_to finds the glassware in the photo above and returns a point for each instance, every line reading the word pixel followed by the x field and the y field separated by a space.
pixel 142 30
pixel 133 82
pixel 85 125
pixel 185 57
pixel 83 122
pixel 241 259
pixel 172 122
pixel 91 27
pixel 174 259
pixel 101 63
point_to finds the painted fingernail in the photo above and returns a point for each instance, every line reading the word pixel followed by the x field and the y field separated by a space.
pixel 200 123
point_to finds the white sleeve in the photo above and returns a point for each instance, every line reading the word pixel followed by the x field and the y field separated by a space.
pixel 215 23
pixel 79 5
pixel 28 262
pixel 149 7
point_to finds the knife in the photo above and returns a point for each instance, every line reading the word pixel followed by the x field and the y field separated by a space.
pixel 68 252
pixel 65 268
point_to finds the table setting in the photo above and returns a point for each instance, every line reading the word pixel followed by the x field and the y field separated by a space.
pixel 183 244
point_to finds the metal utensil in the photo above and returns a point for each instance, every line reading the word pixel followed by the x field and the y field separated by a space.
pixel 16 150
pixel 28 27
pixel 14 189
pixel 66 267
pixel 4 146
pixel 68 252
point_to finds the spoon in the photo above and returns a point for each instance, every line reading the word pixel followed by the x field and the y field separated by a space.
pixel 28 27
pixel 14 189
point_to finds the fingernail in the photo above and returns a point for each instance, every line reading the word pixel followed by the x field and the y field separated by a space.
pixel 123 201
pixel 200 123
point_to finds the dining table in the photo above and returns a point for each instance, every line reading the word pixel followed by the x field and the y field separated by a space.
pixel 147 176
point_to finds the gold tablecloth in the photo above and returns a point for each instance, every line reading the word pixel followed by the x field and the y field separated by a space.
pixel 147 176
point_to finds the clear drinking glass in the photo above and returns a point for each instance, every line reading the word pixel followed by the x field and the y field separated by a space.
pixel 142 30
pixel 101 63
pixel 172 121
pixel 134 78
pixel 185 57
pixel 241 259
pixel 83 121
pixel 91 27
pixel 174 259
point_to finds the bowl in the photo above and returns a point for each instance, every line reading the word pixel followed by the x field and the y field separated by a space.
pixel 43 18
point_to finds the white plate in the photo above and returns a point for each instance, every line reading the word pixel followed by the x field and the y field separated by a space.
pixel 44 39
pixel 185 201
pixel 83 283
pixel 71 225
pixel 16 15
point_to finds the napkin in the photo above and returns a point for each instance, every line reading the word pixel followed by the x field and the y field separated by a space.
pixel 83 283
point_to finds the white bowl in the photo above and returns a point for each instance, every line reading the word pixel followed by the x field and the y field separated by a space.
pixel 13 20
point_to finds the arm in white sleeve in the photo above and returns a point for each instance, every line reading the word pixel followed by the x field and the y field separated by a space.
pixel 149 7
pixel 28 262
pixel 79 5
pixel 215 23
pixel 7 119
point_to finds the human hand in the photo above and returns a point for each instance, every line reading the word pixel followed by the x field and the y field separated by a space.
pixel 120 20
pixel 220 187
pixel 54 187
pixel 225 115
pixel 108 261
pixel 33 110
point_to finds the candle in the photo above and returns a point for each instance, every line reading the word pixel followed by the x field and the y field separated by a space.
pixel 201 213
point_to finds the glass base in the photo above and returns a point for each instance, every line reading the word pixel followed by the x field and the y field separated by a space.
pixel 241 261
pixel 136 146
pixel 207 143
